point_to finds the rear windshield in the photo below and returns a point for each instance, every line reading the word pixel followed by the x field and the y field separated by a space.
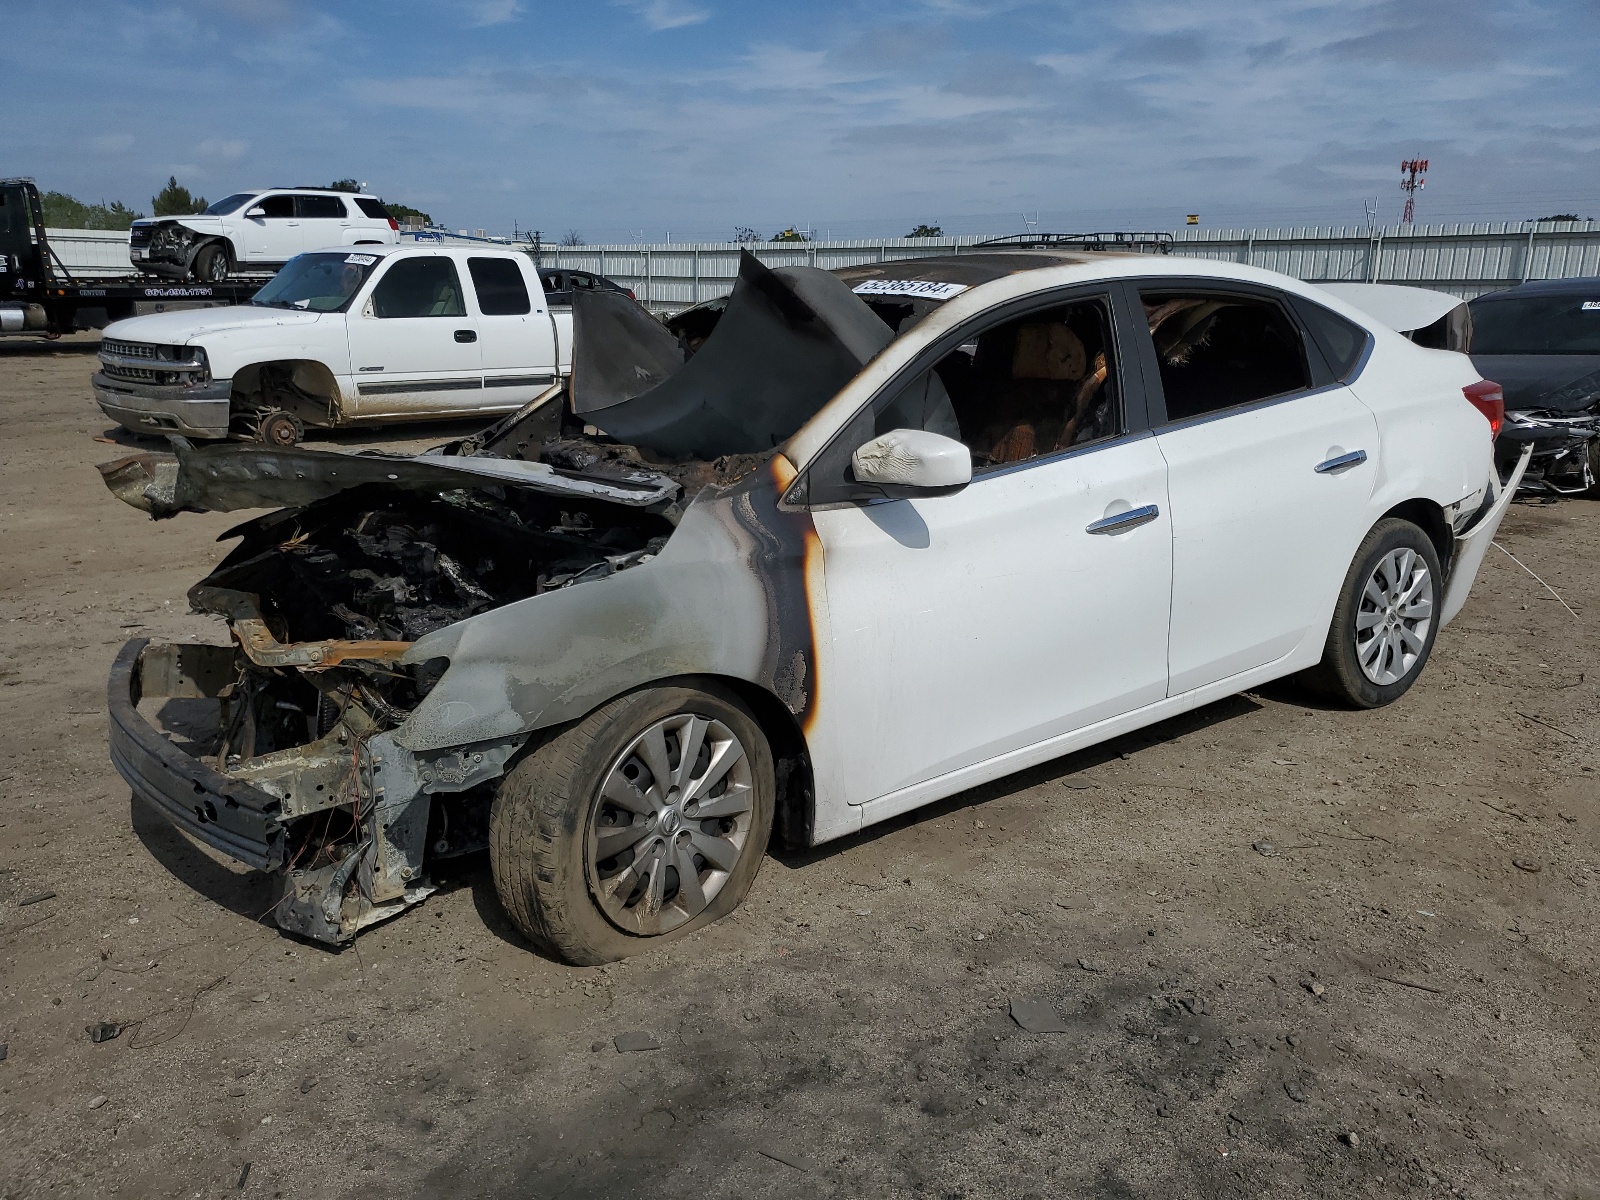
pixel 223 207
pixel 320 282
pixel 372 208
pixel 1538 325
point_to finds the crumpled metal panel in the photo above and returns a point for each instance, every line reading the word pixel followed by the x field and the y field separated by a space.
pixel 787 342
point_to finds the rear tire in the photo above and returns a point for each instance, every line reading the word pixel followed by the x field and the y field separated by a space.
pixel 211 264
pixel 1387 618
pixel 594 860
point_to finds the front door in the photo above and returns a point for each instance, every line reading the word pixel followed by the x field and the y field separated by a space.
pixel 413 348
pixel 1032 603
pixel 518 340
pixel 274 236
pixel 1270 468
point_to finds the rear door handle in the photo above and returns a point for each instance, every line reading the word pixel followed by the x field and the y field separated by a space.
pixel 1342 462
pixel 466 335
pixel 1131 519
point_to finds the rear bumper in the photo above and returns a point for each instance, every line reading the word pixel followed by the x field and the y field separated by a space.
pixel 200 412
pixel 228 815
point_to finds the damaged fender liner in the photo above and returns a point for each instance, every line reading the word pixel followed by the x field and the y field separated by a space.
pixel 226 814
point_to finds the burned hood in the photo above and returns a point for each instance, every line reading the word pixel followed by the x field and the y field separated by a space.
pixel 225 478
pixel 1558 382
pixel 787 341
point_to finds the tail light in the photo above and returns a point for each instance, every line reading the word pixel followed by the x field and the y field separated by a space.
pixel 394 225
pixel 1487 398
pixel 631 296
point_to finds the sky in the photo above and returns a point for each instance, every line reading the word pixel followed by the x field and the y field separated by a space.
pixel 683 119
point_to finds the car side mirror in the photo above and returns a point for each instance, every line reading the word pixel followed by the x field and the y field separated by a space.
pixel 913 462
pixel 257 211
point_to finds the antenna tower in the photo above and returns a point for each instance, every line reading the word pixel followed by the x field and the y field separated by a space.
pixel 1413 178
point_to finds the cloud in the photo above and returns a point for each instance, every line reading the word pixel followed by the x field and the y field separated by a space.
pixel 492 12
pixel 665 14
pixel 1263 53
pixel 1168 49
pixel 222 149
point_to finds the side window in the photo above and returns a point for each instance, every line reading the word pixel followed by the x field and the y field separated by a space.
pixel 1343 342
pixel 1028 387
pixel 276 207
pixel 320 208
pixel 498 282
pixel 1219 350
pixel 373 209
pixel 419 287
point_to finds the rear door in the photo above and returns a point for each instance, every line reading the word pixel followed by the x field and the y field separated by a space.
pixel 413 344
pixel 515 334
pixel 1271 463
pixel 324 222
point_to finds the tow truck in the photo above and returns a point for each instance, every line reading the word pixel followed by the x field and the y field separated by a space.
pixel 40 296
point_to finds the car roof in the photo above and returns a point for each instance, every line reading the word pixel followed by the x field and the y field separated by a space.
pixel 1585 286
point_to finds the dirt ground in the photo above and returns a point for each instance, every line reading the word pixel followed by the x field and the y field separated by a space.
pixel 1293 951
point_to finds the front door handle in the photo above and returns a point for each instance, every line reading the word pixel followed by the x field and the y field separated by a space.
pixel 466 335
pixel 1341 462
pixel 1131 519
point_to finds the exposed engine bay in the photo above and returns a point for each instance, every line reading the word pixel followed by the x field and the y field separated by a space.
pixel 1563 426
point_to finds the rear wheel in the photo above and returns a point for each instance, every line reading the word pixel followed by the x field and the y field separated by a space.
pixel 211 264
pixel 1386 620
pixel 644 821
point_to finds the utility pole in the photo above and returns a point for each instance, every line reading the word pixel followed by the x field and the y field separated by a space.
pixel 1413 172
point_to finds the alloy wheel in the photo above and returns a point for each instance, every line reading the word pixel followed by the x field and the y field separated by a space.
pixel 1391 627
pixel 671 822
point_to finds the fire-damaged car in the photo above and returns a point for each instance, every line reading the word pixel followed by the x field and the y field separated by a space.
pixel 1541 341
pixel 792 564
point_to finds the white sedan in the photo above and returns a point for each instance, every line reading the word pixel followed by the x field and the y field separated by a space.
pixel 838 547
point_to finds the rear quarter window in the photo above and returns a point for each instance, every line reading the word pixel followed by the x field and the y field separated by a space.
pixel 372 208
pixel 1342 342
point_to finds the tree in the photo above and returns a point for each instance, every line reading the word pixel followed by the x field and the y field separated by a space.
pixel 62 211
pixel 791 234
pixel 174 200
pixel 572 238
pixel 744 235
pixel 1561 217
pixel 346 185
pixel 926 231
pixel 401 211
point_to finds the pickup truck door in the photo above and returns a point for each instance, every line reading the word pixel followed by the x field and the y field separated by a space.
pixel 514 330
pixel 413 347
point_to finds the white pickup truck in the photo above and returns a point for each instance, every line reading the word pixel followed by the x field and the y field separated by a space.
pixel 365 335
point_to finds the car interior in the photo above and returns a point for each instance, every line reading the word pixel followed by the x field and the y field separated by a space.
pixel 1032 386
pixel 1220 351
pixel 419 287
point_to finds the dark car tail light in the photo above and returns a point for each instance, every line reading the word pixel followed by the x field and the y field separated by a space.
pixel 1490 400
pixel 394 225
pixel 631 296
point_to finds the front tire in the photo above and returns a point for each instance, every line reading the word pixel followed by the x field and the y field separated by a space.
pixel 1387 618
pixel 211 264
pixel 643 822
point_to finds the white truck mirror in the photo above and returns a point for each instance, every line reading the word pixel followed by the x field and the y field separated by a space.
pixel 913 459
pixel 257 211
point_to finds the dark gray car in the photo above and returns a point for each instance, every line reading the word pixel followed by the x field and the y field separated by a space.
pixel 1541 343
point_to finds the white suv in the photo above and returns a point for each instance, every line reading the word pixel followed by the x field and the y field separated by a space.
pixel 258 231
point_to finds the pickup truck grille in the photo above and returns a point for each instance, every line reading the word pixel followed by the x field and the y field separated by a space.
pixel 138 374
pixel 128 349
pixel 139 235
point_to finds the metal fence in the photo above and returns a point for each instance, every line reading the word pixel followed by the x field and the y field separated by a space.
pixel 1464 260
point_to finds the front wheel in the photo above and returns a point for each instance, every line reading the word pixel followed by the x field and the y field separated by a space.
pixel 211 264
pixel 644 821
pixel 1386 620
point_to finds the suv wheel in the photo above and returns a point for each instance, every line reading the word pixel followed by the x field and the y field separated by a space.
pixel 644 821
pixel 211 264
pixel 1386 620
